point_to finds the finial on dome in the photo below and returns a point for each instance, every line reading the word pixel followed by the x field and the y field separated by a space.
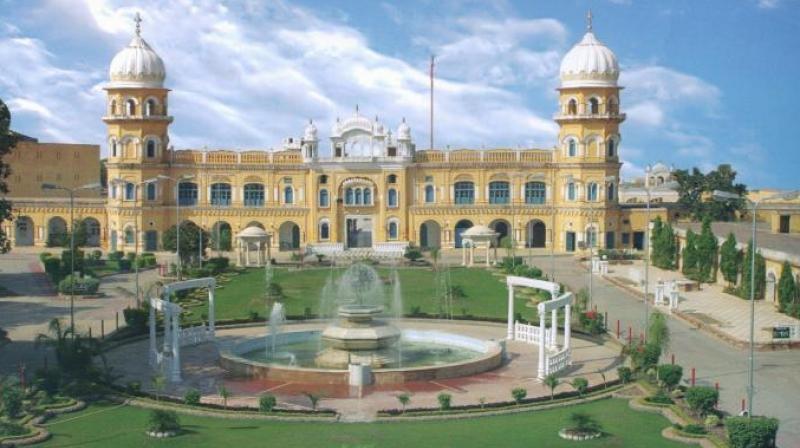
pixel 404 119
pixel 138 19
pixel 356 108
pixel 589 21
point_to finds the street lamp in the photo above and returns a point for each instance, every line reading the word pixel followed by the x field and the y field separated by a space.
pixel 119 181
pixel 71 191
pixel 177 182
pixel 647 248
pixel 724 196
pixel 589 243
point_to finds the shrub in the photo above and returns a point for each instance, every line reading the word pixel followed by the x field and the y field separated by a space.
pixel 124 265
pixel 192 397
pixel 115 256
pixel 444 400
pixel 11 400
pixel 744 432
pixel 198 272
pixel 97 254
pixel 702 399
pixel 645 356
pixel 625 374
pixel 711 421
pixel 66 260
pixel 130 256
pixel 52 267
pixel 11 429
pixel 267 402
pixel 592 322
pixel 218 264
pixel 580 384
pixel 694 429
pixel 412 253
pixel 660 398
pixel 133 387
pixel 162 421
pixel 44 256
pixel 85 285
pixel 584 423
pixel 670 375
pixel 519 394
pixel 136 318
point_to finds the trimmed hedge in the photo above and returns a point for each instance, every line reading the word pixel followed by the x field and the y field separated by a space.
pixel 756 432
pixel 82 285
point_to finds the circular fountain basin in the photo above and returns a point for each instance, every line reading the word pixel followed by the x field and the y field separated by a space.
pixel 418 355
pixel 357 329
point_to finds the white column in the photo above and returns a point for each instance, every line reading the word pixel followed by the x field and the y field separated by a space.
pixel 211 326
pixel 567 326
pixel 542 329
pixel 176 349
pixel 152 322
pixel 510 332
pixel 487 255
pixel 463 255
pixel 167 329
pixel 554 329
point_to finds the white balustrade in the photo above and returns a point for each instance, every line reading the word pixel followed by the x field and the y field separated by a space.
pixel 529 334
pixel 558 361
pixel 194 335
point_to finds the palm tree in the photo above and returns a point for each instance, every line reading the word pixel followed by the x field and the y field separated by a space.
pixel 224 393
pixel 404 399
pixel 159 383
pixel 313 398
pixel 73 352
pixel 552 382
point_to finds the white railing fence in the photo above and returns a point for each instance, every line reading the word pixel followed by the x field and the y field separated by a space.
pixel 558 361
pixel 529 334
pixel 194 335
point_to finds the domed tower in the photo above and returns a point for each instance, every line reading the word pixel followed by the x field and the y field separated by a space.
pixel 589 110
pixel 310 142
pixel 136 116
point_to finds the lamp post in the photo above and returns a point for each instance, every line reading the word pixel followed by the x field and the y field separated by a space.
pixel 71 192
pixel 647 249
pixel 119 181
pixel 724 196
pixel 177 182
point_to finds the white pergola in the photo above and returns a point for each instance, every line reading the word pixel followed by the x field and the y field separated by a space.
pixel 253 247
pixel 477 237
pixel 174 336
pixel 551 358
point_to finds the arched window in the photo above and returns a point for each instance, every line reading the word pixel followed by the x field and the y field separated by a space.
pixel 594 106
pixel 151 191
pixel 114 147
pixel 610 193
pixel 323 179
pixel 130 192
pixel 348 196
pixel 464 192
pixel 613 107
pixel 572 148
pixel 392 230
pixel 612 148
pixel 150 107
pixel 253 195
pixel 112 109
pixel 429 194
pixel 358 199
pixel 391 179
pixel 130 107
pixel 288 195
pixel 113 191
pixel 591 192
pixel 221 194
pixel 392 198
pixel 499 192
pixel 187 193
pixel 367 196
pixel 572 107
pixel 324 230
pixel 535 193
pixel 571 191
pixel 151 148
pixel 130 236
pixel 323 198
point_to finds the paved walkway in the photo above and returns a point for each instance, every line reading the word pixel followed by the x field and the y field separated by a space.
pixel 722 312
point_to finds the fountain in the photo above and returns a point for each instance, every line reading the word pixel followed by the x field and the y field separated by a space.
pixel 362 327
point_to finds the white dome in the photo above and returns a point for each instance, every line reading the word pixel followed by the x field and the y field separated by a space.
pixel 589 64
pixel 137 65
pixel 403 131
pixel 479 230
pixel 253 232
pixel 310 133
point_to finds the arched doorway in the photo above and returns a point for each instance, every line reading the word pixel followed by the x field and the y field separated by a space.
pixel 461 227
pixel 535 234
pixel 289 236
pixel 56 232
pixel 92 228
pixel 221 236
pixel 430 234
pixel 502 227
pixel 23 232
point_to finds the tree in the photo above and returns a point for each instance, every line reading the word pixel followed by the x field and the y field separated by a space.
pixel 267 402
pixel 695 188
pixel 313 399
pixel 690 255
pixel 760 274
pixel 658 332
pixel 444 400
pixel 787 289
pixel 670 375
pixel 552 381
pixel 404 399
pixel 159 383
pixel 664 248
pixel 747 432
pixel 702 399
pixel 8 140
pixel 706 253
pixel 507 243
pixel 580 384
pixel 584 423
pixel 729 258
pixel 190 240
pixel 224 393
pixel 519 394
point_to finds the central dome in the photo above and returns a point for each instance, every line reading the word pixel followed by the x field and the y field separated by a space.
pixel 137 65
pixel 589 64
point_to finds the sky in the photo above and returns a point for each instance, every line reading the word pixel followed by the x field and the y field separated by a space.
pixel 705 81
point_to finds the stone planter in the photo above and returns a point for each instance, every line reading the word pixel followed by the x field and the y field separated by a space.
pixel 161 435
pixel 578 436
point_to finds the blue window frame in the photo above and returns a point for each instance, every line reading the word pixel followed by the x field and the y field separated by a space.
pixel 130 192
pixel 591 192
pixel 535 193
pixel 348 196
pixel 151 192
pixel 392 197
pixel 499 192
pixel 464 192
pixel 367 196
pixel 324 200
pixel 392 230
pixel 221 194
pixel 288 195
pixel 187 193
pixel 253 195
pixel 572 150
pixel 571 191
pixel 429 194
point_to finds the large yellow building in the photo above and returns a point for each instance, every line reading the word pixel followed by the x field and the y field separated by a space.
pixel 372 190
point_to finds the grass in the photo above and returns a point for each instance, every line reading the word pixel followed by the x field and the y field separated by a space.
pixel 106 425
pixel 486 294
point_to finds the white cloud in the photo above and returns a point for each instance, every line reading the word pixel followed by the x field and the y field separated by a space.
pixel 654 91
pixel 768 4
pixel 646 112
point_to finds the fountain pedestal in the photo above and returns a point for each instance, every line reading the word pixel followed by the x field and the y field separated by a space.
pixel 356 337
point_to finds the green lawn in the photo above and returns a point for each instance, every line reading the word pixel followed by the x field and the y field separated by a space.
pixel 103 425
pixel 486 294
